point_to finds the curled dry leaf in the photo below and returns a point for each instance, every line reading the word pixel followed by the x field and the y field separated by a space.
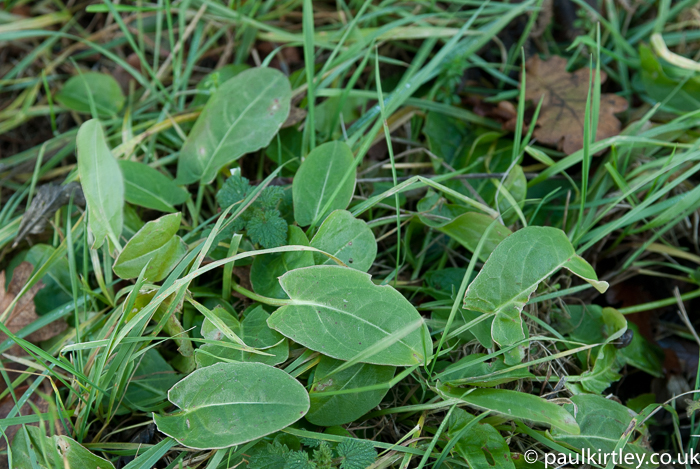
pixel 24 313
pixel 49 198
pixel 561 118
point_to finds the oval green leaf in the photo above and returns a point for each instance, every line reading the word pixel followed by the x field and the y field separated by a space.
pixel 156 245
pixel 514 405
pixel 104 90
pixel 339 312
pixel 468 228
pixel 346 238
pixel 232 403
pixel 339 409
pixel 515 269
pixel 241 117
pixel 102 184
pixel 317 180
pixel 147 187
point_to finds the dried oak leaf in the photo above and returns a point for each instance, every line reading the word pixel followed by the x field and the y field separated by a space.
pixel 561 118
pixel 24 313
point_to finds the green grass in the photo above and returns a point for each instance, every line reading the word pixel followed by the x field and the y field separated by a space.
pixel 435 183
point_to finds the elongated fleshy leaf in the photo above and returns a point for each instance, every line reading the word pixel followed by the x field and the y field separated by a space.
pixel 102 182
pixel 241 117
pixel 515 269
pixel 340 409
pixel 339 312
pixel 480 444
pixel 156 245
pixel 149 188
pixel 318 179
pixel 232 403
pixel 346 238
pixel 514 405
pixel 50 452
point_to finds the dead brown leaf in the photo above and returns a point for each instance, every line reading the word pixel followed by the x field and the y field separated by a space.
pixel 24 313
pixel 561 118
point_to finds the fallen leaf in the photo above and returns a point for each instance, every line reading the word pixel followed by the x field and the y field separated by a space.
pixel 561 118
pixel 49 198
pixel 295 116
pixel 24 313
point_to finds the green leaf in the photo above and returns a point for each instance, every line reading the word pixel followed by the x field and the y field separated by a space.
pixel 480 445
pixel 156 245
pixel 346 238
pixel 435 212
pixel 659 84
pixel 514 405
pixel 151 381
pixel 102 184
pixel 467 229
pixel 602 423
pixel 318 178
pixel 267 228
pixel 253 330
pixel 339 312
pixel 49 452
pixel 104 89
pixel 267 268
pixel 211 82
pixel 148 187
pixel 515 269
pixel 232 403
pixel 465 371
pixel 242 116
pixel 340 409
pixel 516 185
pixel 356 454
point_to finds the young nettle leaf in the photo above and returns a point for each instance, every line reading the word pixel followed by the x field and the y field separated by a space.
pixel 103 89
pixel 340 409
pixel 514 270
pixel 156 245
pixel 356 454
pixel 228 404
pixel 346 238
pixel 262 219
pixel 103 185
pixel 148 187
pixel 267 268
pixel 317 180
pixel 242 116
pixel 339 312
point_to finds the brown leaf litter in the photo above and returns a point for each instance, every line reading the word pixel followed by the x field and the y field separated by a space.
pixel 561 118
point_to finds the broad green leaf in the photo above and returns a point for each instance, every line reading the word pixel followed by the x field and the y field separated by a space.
pixel 317 180
pixel 150 383
pixel 50 452
pixel 514 405
pixel 659 84
pixel 211 82
pixel 447 138
pixel 340 409
pixel 435 212
pixel 515 269
pixel 339 312
pixel 148 187
pixel 480 445
pixel 602 423
pixel 465 371
pixel 104 90
pixel 242 116
pixel 253 330
pixel 467 230
pixel 102 184
pixel 346 238
pixel 267 268
pixel 228 404
pixel 156 245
